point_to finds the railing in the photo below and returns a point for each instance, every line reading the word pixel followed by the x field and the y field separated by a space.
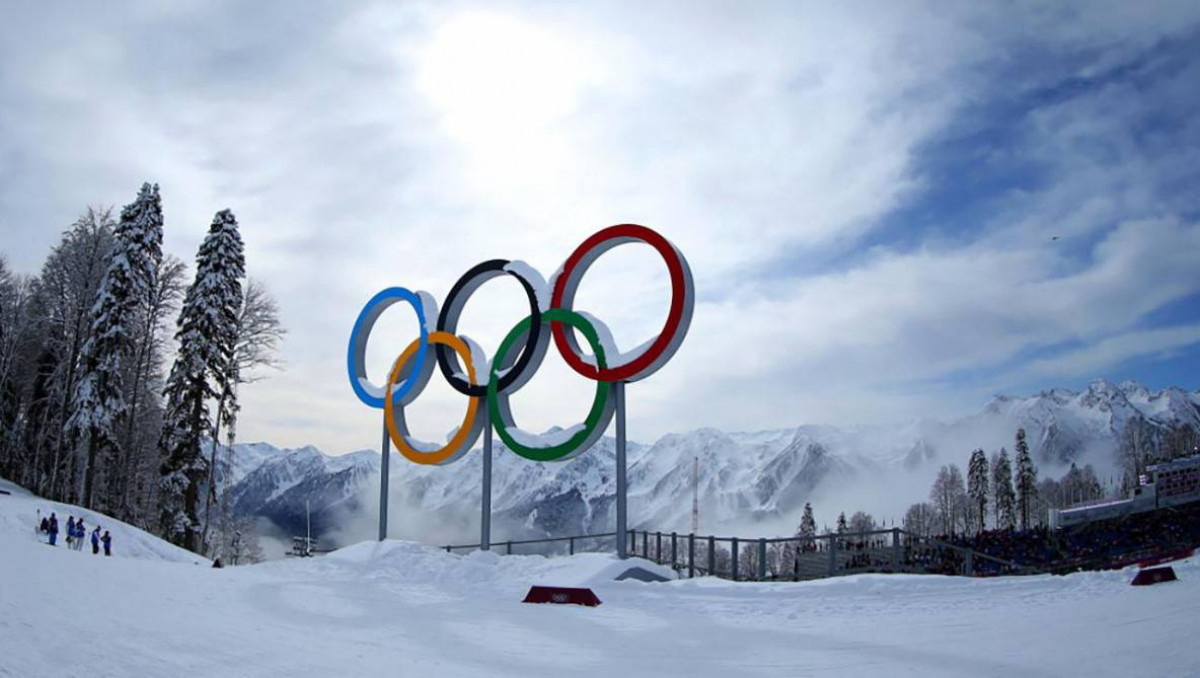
pixel 572 544
pixel 782 559
pixel 802 558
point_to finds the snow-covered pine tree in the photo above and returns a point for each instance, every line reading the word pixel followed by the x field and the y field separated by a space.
pixel 1025 481
pixel 808 524
pixel 143 220
pixel 977 487
pixel 99 399
pixel 1002 492
pixel 207 331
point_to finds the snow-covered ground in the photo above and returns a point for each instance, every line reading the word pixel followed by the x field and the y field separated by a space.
pixel 398 608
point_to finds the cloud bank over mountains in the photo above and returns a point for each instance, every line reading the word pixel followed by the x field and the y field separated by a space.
pixel 889 214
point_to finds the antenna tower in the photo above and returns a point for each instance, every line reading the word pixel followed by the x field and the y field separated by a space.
pixel 695 495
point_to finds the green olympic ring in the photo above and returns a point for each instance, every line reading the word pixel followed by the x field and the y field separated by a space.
pixel 598 417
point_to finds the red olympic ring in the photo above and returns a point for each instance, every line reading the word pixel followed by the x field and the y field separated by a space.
pixel 674 329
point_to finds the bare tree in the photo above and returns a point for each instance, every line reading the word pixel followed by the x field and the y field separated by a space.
pixel 15 293
pixel 949 497
pixel 63 296
pixel 135 492
pixel 920 519
pixel 259 332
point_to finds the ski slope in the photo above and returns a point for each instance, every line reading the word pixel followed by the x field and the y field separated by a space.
pixel 401 609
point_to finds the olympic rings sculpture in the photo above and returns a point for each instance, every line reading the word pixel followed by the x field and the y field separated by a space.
pixel 466 368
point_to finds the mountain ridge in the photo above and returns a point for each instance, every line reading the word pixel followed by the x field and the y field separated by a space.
pixel 760 478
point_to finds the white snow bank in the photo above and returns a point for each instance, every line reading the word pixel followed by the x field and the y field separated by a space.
pixel 417 563
pixel 402 608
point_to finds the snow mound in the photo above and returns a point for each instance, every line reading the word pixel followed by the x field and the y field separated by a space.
pixel 420 564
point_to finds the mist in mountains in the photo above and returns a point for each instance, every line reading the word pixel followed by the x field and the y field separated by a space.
pixel 749 483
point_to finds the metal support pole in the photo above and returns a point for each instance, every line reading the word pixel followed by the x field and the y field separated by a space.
pixel 832 554
pixel 691 555
pixel 762 559
pixel 619 397
pixel 383 484
pixel 969 565
pixel 508 548
pixel 571 546
pixel 895 549
pixel 674 549
pixel 712 555
pixel 733 566
pixel 645 544
pixel 658 547
pixel 485 502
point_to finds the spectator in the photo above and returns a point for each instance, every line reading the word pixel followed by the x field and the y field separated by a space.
pixel 80 534
pixel 53 529
pixel 96 540
pixel 70 531
pixel 107 539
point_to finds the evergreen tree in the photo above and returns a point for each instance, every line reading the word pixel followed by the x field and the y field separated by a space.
pixel 146 222
pixel 1002 492
pixel 808 524
pixel 99 401
pixel 206 335
pixel 977 487
pixel 1026 482
pixel 841 524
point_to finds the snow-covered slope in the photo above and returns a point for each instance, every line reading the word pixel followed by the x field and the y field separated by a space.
pixel 19 518
pixel 403 609
pixel 747 481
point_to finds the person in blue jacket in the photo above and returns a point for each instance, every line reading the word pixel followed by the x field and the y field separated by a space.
pixel 80 534
pixel 70 531
pixel 96 540
pixel 107 539
pixel 53 529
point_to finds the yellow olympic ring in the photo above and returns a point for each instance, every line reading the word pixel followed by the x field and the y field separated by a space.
pixel 442 454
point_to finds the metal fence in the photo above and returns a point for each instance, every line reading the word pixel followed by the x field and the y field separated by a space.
pixel 780 559
pixel 798 559
pixel 549 546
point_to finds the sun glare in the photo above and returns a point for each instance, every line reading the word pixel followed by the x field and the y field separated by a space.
pixel 503 88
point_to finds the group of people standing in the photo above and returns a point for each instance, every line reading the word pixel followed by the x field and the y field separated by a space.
pixel 76 534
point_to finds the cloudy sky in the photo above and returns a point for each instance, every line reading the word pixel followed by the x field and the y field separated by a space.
pixel 891 210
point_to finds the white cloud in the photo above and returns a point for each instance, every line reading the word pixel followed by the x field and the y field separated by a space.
pixel 383 146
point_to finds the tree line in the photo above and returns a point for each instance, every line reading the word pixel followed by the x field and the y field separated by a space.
pixel 89 413
pixel 1003 491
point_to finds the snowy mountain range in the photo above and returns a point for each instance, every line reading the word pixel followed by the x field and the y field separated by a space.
pixel 753 483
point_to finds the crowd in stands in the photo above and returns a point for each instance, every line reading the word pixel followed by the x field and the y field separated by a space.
pixel 1103 544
